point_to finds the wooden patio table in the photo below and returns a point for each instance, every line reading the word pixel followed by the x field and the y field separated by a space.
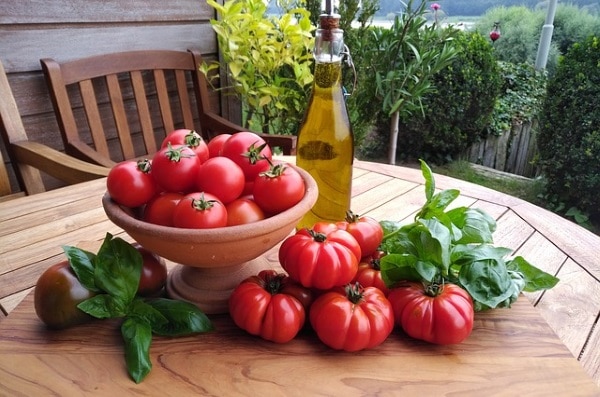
pixel 511 352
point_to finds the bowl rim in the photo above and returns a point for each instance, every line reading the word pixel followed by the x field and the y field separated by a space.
pixel 121 218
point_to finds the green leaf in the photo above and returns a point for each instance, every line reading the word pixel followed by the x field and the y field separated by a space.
pixel 463 254
pixel 183 318
pixel 487 281
pixel 535 279
pixel 429 180
pixel 475 225
pixel 137 336
pixel 146 313
pixel 398 267
pixel 438 246
pixel 82 263
pixel 104 306
pixel 118 268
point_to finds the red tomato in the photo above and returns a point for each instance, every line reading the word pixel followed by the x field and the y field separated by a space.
pixel 216 144
pixel 261 306
pixel 279 188
pixel 243 210
pixel 200 211
pixel 320 260
pixel 369 273
pixel 154 272
pixel 56 296
pixel 366 230
pixel 174 168
pixel 352 319
pixel 189 138
pixel 441 314
pixel 130 183
pixel 249 151
pixel 222 177
pixel 160 209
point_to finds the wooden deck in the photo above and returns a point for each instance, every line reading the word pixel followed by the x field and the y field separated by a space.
pixel 382 191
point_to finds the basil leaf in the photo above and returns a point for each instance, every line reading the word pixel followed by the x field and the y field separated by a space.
pixel 103 306
pixel 436 243
pixel 429 180
pixel 463 254
pixel 398 267
pixel 183 318
pixel 137 336
pixel 118 268
pixel 82 263
pixel 535 279
pixel 146 313
pixel 476 225
pixel 487 281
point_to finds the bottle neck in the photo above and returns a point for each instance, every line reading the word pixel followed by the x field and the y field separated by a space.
pixel 328 53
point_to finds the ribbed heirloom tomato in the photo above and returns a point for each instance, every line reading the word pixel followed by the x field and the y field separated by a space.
pixel 269 305
pixel 366 230
pixel 436 313
pixel 352 318
pixel 369 272
pixel 322 257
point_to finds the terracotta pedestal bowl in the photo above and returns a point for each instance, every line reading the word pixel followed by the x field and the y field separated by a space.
pixel 212 262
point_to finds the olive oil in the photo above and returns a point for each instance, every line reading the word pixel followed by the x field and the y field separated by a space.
pixel 325 139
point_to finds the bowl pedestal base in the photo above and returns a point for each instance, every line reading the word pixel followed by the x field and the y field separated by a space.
pixel 210 288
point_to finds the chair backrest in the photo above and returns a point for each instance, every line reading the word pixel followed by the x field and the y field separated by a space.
pixel 12 128
pixel 120 106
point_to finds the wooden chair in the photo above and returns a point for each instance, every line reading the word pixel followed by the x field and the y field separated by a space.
pixel 120 106
pixel 29 157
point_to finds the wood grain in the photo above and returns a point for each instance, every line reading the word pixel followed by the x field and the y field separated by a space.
pixel 230 362
pixel 531 346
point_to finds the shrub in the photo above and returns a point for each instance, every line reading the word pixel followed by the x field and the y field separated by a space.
pixel 458 110
pixel 268 61
pixel 569 138
pixel 522 93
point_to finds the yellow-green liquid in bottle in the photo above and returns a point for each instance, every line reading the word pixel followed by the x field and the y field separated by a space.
pixel 326 145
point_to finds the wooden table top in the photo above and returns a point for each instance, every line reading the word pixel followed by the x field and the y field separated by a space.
pixel 510 351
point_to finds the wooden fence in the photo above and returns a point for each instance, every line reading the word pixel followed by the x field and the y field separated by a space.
pixel 514 151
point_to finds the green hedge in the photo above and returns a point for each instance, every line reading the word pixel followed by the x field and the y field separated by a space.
pixel 569 139
pixel 458 111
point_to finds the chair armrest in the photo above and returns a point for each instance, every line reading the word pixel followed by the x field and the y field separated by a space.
pixel 81 150
pixel 55 163
pixel 213 125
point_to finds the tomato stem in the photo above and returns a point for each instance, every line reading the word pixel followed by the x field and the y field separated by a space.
pixel 318 237
pixel 354 292
pixel 434 288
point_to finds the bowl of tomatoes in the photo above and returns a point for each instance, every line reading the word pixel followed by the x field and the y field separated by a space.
pixel 214 229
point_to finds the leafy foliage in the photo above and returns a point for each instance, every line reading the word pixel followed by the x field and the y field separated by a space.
pixel 456 246
pixel 267 59
pixel 521 28
pixel 115 272
pixel 396 65
pixel 459 109
pixel 522 94
pixel 569 139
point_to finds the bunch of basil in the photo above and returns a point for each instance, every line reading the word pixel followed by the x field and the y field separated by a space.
pixel 114 273
pixel 456 246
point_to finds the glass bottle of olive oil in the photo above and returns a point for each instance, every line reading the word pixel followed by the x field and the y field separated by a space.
pixel 325 146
